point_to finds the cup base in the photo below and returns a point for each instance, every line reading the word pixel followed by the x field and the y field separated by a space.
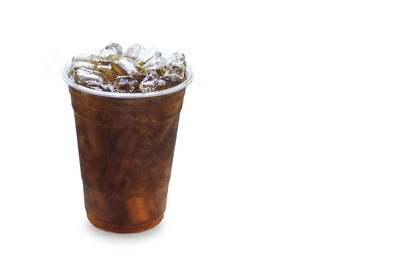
pixel 125 229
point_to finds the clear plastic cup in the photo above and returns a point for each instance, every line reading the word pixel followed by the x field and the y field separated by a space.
pixel 126 145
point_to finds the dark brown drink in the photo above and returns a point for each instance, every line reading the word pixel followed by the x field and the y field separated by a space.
pixel 126 147
pixel 127 105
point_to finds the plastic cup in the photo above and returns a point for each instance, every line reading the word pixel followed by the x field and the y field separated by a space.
pixel 126 145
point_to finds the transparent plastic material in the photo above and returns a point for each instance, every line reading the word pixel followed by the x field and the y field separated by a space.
pixel 126 145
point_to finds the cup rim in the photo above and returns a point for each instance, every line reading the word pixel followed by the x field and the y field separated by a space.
pixel 73 84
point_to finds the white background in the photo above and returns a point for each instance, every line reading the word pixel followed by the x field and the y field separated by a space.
pixel 288 149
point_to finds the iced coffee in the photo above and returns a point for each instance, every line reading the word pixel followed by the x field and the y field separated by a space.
pixel 127 105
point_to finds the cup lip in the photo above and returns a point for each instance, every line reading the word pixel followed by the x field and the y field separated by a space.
pixel 73 84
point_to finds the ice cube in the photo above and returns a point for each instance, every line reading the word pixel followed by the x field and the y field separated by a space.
pixel 83 62
pixel 157 63
pixel 151 82
pixel 172 80
pixel 106 69
pixel 117 69
pixel 139 76
pixel 135 51
pixel 93 79
pixel 113 51
pixel 180 57
pixel 148 55
pixel 128 65
pixel 175 68
pixel 126 84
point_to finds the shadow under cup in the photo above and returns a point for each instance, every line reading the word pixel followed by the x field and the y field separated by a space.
pixel 126 145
